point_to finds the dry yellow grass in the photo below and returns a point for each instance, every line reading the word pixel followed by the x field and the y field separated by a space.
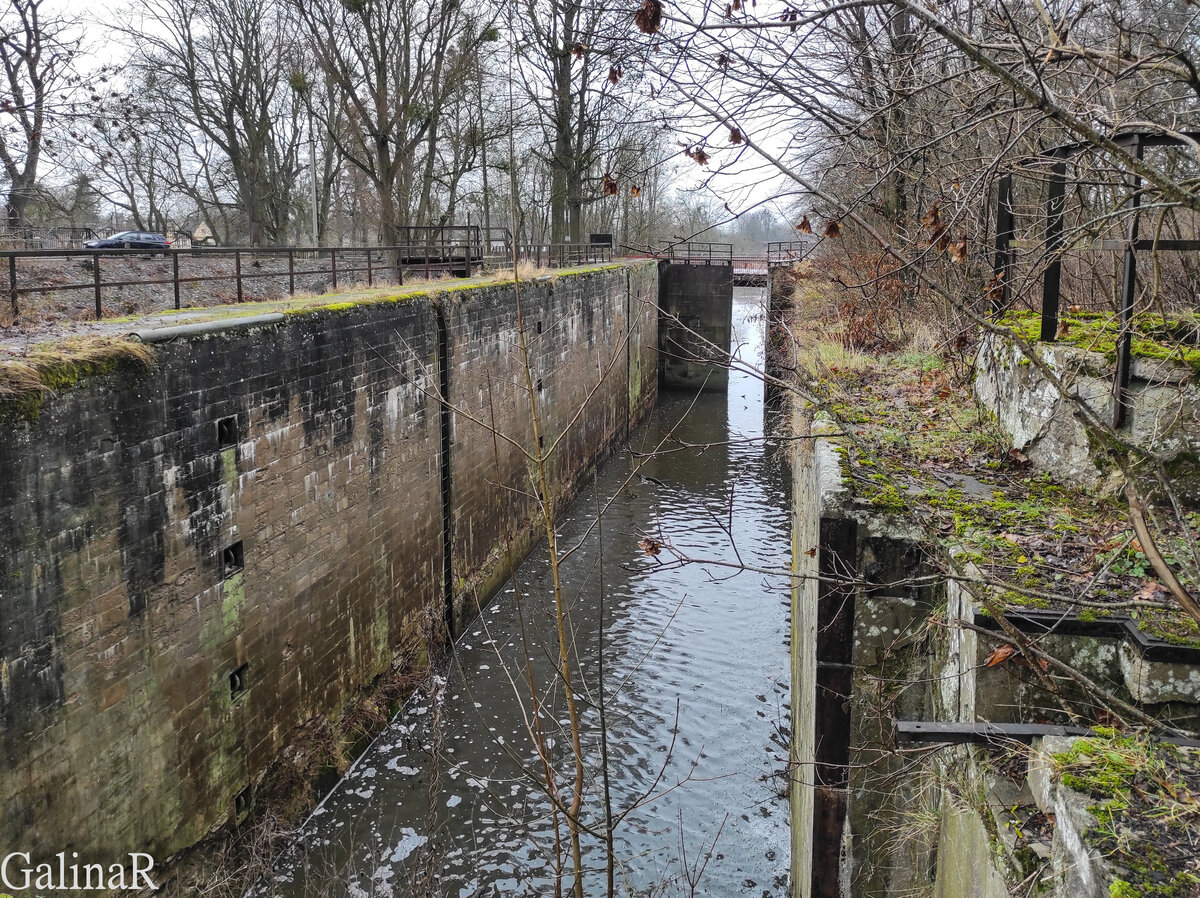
pixel 52 366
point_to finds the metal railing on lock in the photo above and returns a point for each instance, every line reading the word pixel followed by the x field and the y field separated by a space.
pixel 698 253
pixel 559 254
pixel 788 252
pixel 327 267
pixel 1053 246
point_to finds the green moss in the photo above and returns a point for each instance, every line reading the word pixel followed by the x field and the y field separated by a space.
pixel 26 380
pixel 1154 336
pixel 1143 811
pixel 884 496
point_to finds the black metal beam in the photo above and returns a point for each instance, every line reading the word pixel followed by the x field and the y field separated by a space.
pixel 985 732
pixel 1051 280
pixel 1128 297
pixel 835 678
pixel 1003 262
pixel 1110 626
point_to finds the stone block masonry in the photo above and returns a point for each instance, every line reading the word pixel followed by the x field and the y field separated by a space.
pixel 697 306
pixel 197 561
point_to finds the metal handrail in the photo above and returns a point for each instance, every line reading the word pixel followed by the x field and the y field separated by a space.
pixel 389 263
pixel 788 252
pixel 694 251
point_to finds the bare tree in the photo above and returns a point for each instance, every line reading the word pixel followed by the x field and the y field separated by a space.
pixel 38 53
pixel 394 67
pixel 573 63
pixel 218 70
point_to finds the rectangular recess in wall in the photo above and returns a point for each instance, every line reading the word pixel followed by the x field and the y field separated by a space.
pixel 239 681
pixel 232 560
pixel 227 432
pixel 242 802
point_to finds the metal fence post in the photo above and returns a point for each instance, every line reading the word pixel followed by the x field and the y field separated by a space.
pixel 12 283
pixel 369 274
pixel 96 284
pixel 175 275
pixel 1128 295
pixel 1051 280
pixel 291 272
pixel 333 267
pixel 1002 263
pixel 237 272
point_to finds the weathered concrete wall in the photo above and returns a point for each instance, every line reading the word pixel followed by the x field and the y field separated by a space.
pixel 1163 409
pixel 196 561
pixel 856 646
pixel 947 824
pixel 697 308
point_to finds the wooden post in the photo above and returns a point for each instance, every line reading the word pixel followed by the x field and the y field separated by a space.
pixel 369 274
pixel 291 272
pixel 175 275
pixel 333 267
pixel 1051 280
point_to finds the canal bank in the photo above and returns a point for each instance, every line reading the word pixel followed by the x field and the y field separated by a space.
pixel 677 585
pixel 984 665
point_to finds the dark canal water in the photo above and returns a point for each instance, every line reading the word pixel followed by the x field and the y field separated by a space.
pixel 695 691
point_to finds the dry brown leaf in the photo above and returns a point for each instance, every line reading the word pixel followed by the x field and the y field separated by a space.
pixel 648 18
pixel 995 287
pixel 999 655
pixel 1151 591
pixel 1018 457
pixel 805 227
pixel 649 545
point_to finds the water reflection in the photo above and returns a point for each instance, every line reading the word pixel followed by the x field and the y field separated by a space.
pixel 694 671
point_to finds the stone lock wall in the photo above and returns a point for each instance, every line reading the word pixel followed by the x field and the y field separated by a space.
pixel 197 560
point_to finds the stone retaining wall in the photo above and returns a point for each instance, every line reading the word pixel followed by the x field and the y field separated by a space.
pixel 198 560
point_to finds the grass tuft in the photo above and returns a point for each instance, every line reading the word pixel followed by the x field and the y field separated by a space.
pixel 25 380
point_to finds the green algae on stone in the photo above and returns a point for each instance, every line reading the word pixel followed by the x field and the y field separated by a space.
pixel 1156 337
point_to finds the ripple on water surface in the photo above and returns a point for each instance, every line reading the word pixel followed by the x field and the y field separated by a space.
pixel 694 667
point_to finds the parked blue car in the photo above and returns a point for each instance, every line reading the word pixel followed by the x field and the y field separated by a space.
pixel 131 240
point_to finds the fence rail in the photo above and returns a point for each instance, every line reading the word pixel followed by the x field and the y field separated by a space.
pixel 369 264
